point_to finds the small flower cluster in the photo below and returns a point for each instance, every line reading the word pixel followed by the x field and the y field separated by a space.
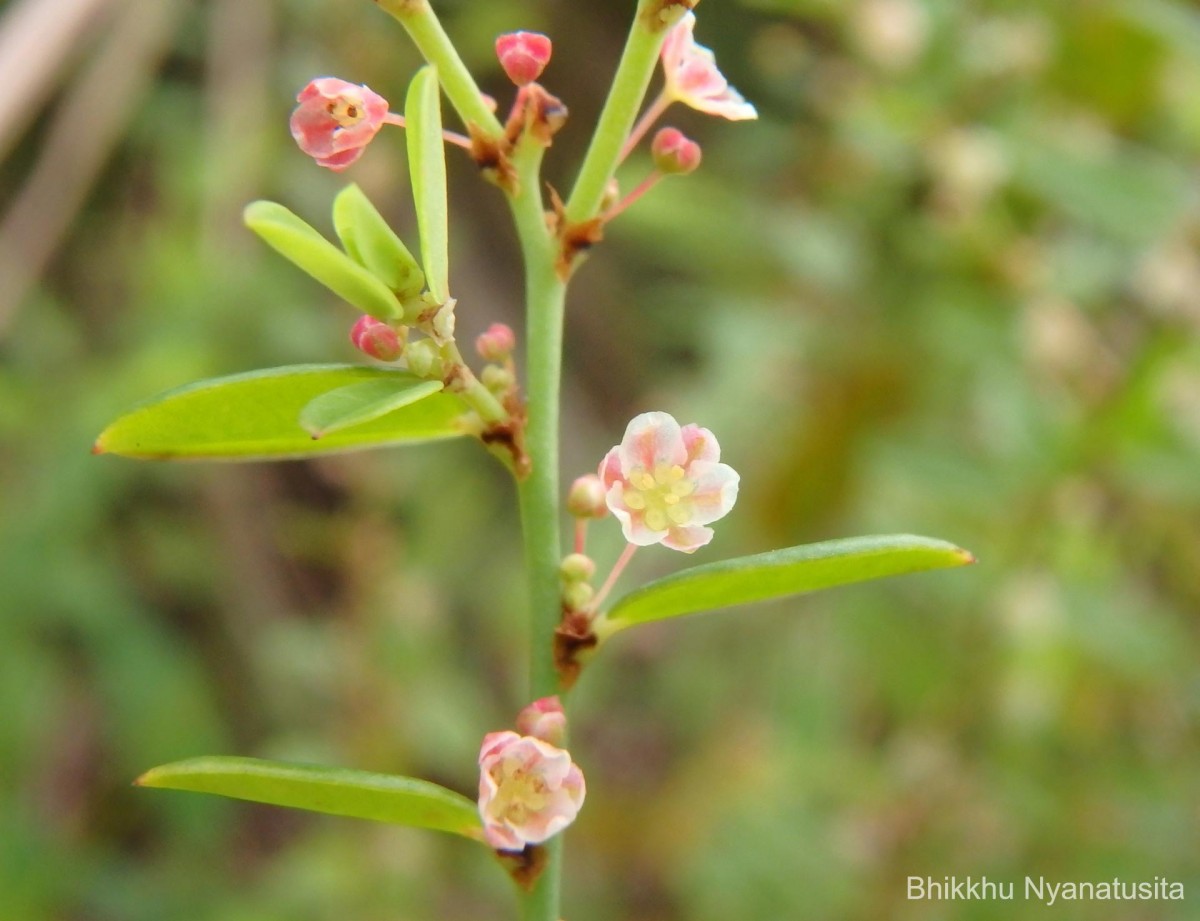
pixel 690 76
pixel 665 484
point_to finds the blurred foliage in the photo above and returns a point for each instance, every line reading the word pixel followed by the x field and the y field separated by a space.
pixel 948 284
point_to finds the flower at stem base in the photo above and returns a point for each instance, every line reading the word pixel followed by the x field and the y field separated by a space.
pixel 529 790
pixel 692 76
pixel 664 482
pixel 335 120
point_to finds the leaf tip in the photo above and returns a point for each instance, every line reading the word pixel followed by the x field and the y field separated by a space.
pixel 966 557
pixel 98 446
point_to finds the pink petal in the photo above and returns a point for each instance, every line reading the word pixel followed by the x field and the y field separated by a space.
pixel 651 439
pixel 633 526
pixel 701 444
pixel 716 491
pixel 678 40
pixel 340 160
pixel 610 468
pixel 494 744
pixel 689 539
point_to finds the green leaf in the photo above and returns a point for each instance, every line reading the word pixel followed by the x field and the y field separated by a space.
pixel 427 165
pixel 355 404
pixel 373 244
pixel 254 416
pixel 334 791
pixel 778 574
pixel 296 241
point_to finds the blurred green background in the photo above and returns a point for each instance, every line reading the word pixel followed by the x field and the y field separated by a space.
pixel 947 284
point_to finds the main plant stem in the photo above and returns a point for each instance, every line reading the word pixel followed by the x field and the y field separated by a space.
pixel 545 295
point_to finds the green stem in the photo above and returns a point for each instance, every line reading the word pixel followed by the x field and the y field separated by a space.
pixel 545 294
pixel 482 400
pixel 625 97
pixel 422 25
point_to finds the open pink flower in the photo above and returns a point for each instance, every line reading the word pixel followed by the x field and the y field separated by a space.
pixel 528 790
pixel 692 75
pixel 336 120
pixel 664 483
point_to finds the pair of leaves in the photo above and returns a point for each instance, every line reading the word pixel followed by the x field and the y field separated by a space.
pixel 420 804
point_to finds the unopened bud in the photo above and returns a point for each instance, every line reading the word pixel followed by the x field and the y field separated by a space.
pixel 586 498
pixel 423 359
pixel 544 719
pixel 523 55
pixel 577 595
pixel 497 343
pixel 577 567
pixel 497 379
pixel 674 152
pixel 377 339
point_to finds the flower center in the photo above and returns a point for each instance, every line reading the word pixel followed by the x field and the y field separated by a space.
pixel 662 494
pixel 520 794
pixel 347 111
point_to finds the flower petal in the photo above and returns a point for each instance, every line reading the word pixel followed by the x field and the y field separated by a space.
pixel 651 439
pixel 688 539
pixel 701 444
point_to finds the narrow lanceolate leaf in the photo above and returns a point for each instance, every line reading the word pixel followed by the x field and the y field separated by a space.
pixel 335 791
pixel 255 416
pixel 778 574
pixel 371 242
pixel 355 404
pixel 299 243
pixel 427 165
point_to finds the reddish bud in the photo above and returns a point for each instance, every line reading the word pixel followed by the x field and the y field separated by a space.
pixel 523 55
pixel 543 719
pixel 377 339
pixel 497 343
pixel 674 152
pixel 587 497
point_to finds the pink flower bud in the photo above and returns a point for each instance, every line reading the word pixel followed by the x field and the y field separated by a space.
pixel 544 719
pixel 674 152
pixel 529 790
pixel 376 338
pixel 497 343
pixel 586 497
pixel 336 120
pixel 664 483
pixel 523 55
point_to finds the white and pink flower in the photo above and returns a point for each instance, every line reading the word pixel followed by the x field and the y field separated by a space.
pixel 529 790
pixel 692 76
pixel 664 483
pixel 335 120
